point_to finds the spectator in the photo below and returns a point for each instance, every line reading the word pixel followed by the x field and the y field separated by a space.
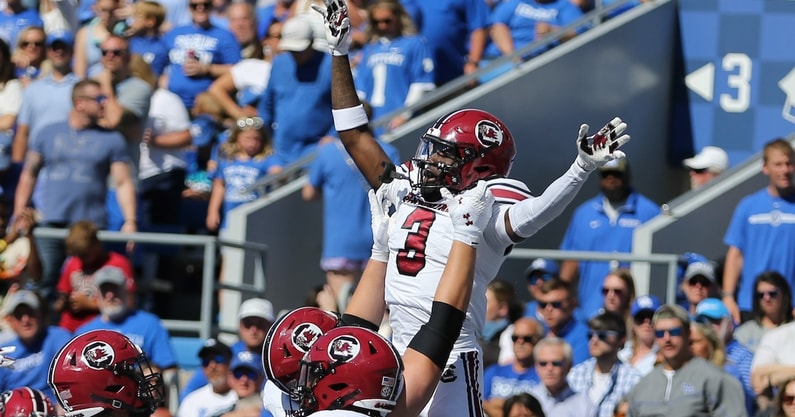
pixel 278 11
pixel 47 100
pixel 501 312
pixel 553 361
pixel 774 359
pixel 772 307
pixel 455 32
pixel 239 90
pixel 14 18
pixel 766 243
pixel 604 378
pixel 738 357
pixel 682 375
pixel 30 55
pixel 21 270
pixel 10 103
pixel 604 223
pixel 89 38
pixel 300 83
pixel 503 381
pixel 707 165
pixel 347 237
pixel 243 25
pixel 640 351
pixel 144 34
pixel 785 399
pixel 199 53
pixel 246 377
pixel 78 157
pixel 539 271
pixel 88 259
pixel 699 283
pixel 618 292
pixel 522 405
pixel 396 67
pixel 36 343
pixel 557 305
pixel 143 328
pixel 706 344
pixel 217 395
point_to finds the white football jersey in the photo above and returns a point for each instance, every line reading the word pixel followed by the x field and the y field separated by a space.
pixel 420 238
pixel 276 401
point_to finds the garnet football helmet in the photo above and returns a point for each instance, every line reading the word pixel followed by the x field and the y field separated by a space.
pixel 103 369
pixel 25 402
pixel 351 368
pixel 289 339
pixel 479 145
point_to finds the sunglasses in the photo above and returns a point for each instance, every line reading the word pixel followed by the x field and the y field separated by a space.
pixel 641 318
pixel 787 399
pixel 699 170
pixel 526 339
pixel 245 372
pixel 59 45
pixel 249 123
pixel 616 174
pixel 556 364
pixel 603 335
pixel 554 304
pixel 113 52
pixel 771 294
pixel 25 44
pixel 543 276
pixel 250 322
pixel 99 99
pixel 673 332
pixel 206 5
pixel 384 21
pixel 219 359
pixel 616 291
pixel 704 282
pixel 708 320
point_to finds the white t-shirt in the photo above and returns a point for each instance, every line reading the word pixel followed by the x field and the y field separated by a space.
pixel 204 402
pixel 776 347
pixel 167 114
pixel 10 97
pixel 251 74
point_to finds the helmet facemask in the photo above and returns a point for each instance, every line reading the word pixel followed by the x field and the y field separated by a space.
pixel 439 166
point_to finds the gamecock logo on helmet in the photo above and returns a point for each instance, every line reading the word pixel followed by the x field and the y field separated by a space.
pixel 98 355
pixel 305 335
pixel 344 348
pixel 489 134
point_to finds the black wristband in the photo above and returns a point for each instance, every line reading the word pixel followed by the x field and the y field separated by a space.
pixel 351 320
pixel 436 338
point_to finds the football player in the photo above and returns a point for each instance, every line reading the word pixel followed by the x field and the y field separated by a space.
pixel 25 402
pixel 458 150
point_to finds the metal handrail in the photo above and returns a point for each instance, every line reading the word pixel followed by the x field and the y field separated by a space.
pixel 204 326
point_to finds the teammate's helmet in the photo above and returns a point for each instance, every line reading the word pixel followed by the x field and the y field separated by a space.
pixel 480 145
pixel 25 402
pixel 103 369
pixel 289 339
pixel 351 368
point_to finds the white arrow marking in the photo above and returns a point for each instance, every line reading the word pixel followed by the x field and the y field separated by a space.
pixel 701 81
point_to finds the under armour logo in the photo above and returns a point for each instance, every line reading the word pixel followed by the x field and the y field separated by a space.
pixel 449 374
pixel 468 217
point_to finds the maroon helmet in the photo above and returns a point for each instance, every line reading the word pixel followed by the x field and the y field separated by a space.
pixel 25 402
pixel 103 369
pixel 479 145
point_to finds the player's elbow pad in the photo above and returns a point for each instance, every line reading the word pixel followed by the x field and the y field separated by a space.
pixel 352 320
pixel 436 338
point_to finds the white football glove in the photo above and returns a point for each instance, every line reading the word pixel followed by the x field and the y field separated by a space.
pixel 470 212
pixel 337 24
pixel 379 221
pixel 5 361
pixel 597 150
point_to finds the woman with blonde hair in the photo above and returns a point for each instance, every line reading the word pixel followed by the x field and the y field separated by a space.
pixel 705 343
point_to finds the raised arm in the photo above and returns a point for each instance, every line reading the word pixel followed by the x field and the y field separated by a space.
pixel 350 119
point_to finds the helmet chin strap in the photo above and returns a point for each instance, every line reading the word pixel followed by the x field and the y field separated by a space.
pixel 119 405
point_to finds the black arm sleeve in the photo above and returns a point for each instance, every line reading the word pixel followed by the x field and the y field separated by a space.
pixel 435 339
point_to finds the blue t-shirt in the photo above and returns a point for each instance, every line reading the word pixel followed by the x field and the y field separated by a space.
pixel 389 68
pixel 77 166
pixel 521 17
pixel 145 330
pixel 576 334
pixel 502 381
pixel 346 208
pixel 297 105
pixel 763 229
pixel 237 175
pixel 446 25
pixel 12 24
pixel 153 50
pixel 590 229
pixel 33 362
pixel 212 45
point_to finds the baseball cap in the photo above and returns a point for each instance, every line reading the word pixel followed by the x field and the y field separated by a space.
pixel 705 269
pixel 712 158
pixel 214 347
pixel 542 267
pixel 644 303
pixel 246 359
pixel 110 275
pixel 256 307
pixel 19 298
pixel 712 308
pixel 64 36
pixel 616 165
pixel 297 35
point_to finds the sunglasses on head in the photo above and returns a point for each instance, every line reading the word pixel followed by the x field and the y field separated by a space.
pixel 219 359
pixel 616 291
pixel 772 294
pixel 673 332
pixel 603 335
pixel 556 364
pixel 553 304
pixel 524 338
pixel 245 372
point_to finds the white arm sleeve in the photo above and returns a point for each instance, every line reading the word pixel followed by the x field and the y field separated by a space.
pixel 530 215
